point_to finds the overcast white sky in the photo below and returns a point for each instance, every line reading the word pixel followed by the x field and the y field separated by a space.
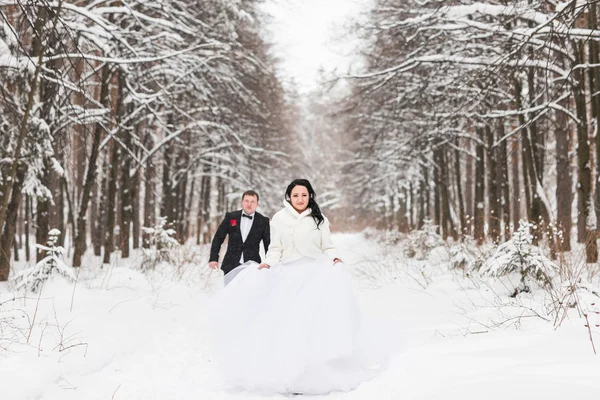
pixel 307 37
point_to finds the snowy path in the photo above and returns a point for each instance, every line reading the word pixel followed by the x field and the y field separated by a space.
pixel 150 341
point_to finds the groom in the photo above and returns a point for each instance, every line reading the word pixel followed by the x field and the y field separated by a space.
pixel 246 228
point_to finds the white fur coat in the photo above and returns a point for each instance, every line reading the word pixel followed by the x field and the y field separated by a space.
pixel 295 235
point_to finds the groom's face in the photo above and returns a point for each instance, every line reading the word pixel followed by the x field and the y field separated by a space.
pixel 249 204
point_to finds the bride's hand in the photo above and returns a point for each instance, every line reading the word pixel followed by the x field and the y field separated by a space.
pixel 336 260
pixel 261 266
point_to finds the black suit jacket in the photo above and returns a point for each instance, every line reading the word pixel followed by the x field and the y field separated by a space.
pixel 231 226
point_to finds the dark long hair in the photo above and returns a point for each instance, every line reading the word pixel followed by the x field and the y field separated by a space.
pixel 315 211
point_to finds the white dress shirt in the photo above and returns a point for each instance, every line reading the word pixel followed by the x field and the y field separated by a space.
pixel 245 226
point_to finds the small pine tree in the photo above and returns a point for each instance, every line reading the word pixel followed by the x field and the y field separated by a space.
pixel 161 243
pixel 520 255
pixel 33 277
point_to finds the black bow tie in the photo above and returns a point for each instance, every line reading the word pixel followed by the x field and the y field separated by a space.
pixel 246 215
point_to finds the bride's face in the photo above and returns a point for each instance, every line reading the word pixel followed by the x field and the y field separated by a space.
pixel 299 198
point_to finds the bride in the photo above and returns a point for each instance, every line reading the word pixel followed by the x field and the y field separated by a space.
pixel 292 324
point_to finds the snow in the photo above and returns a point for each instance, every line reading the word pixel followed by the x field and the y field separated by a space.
pixel 119 333
pixel 7 58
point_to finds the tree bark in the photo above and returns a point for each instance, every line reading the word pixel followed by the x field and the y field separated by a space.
pixel 437 208
pixel 27 225
pixel 594 79
pixel 203 231
pixel 167 206
pixel 188 210
pixel 42 215
pixel 492 188
pixel 403 225
pixel 8 232
pixel 479 206
pixel 111 210
pixel 125 187
pixel 149 196
pixel 447 221
pixel 90 177
pixel 585 203
pixel 96 223
pixel 459 191
pixel 469 188
pixel 135 194
pixel 564 180
pixel 516 184
pixel 504 184
pixel 411 207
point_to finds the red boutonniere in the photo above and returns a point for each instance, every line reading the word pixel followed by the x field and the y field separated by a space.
pixel 233 222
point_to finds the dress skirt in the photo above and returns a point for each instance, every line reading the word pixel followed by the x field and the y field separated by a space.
pixel 293 328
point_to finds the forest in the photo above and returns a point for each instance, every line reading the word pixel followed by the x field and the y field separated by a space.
pixel 484 114
pixel 117 116
pixel 468 116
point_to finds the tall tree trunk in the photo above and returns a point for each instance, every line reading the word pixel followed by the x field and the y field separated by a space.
pixel 585 203
pixel 447 220
pixel 149 195
pixel 403 225
pixel 504 185
pixel 180 208
pixel 188 210
pixel 42 214
pixel 27 225
pixel 564 181
pixel 90 177
pixel 459 192
pixel 479 206
pixel 16 236
pixel 594 79
pixel 168 208
pixel 516 184
pixel 536 138
pixel 96 222
pixel 427 190
pixel 135 194
pixel 469 185
pixel 103 195
pixel 57 211
pixel 203 231
pixel 111 210
pixel 437 207
pixel 411 207
pixel 421 218
pixel 525 152
pixel 8 232
pixel 492 188
pixel 45 206
pixel 125 187
pixel 71 208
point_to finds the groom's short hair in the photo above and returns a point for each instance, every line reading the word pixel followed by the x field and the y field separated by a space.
pixel 250 193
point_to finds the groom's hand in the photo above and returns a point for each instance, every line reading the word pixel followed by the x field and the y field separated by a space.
pixel 213 265
pixel 261 266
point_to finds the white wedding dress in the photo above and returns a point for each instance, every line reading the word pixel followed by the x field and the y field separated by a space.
pixel 293 328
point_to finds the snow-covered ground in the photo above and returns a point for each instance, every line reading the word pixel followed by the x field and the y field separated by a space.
pixel 123 334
